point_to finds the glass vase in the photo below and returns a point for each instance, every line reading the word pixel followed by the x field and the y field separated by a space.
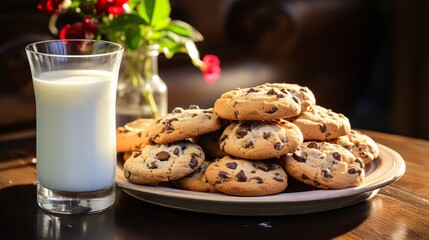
pixel 141 92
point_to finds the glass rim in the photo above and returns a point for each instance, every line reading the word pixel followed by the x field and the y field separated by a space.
pixel 29 50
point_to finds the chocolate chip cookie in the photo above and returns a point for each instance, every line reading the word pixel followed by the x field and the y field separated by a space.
pixel 303 93
pixel 159 163
pixel 133 135
pixel 256 140
pixel 196 181
pixel 182 124
pixel 241 177
pixel 325 165
pixel 322 124
pixel 262 103
pixel 361 145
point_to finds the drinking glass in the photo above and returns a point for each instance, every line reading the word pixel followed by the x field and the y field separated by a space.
pixel 75 89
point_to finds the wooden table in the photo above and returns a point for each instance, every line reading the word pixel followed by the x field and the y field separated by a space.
pixel 399 210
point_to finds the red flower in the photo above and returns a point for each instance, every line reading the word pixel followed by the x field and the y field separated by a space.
pixel 90 24
pixel 114 7
pixel 73 31
pixel 80 30
pixel 50 5
pixel 211 68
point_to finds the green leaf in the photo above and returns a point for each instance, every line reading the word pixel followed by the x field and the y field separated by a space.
pixel 169 48
pixel 125 21
pixel 154 11
pixel 176 37
pixel 75 4
pixel 133 3
pixel 158 35
pixel 162 24
pixel 132 37
pixel 184 29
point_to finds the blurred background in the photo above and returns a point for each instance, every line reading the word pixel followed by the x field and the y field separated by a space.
pixel 368 59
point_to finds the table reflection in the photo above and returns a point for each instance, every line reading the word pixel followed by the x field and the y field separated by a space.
pixel 94 226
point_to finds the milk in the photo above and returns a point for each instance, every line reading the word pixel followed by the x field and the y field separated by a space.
pixel 76 124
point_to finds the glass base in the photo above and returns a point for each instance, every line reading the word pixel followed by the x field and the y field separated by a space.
pixel 75 202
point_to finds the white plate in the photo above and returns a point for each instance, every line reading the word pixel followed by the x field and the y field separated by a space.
pixel 386 169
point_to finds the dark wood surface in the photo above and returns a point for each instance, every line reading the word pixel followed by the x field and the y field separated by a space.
pixel 399 211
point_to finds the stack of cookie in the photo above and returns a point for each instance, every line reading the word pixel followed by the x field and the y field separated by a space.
pixel 247 144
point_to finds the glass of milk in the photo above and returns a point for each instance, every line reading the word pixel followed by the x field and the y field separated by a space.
pixel 75 88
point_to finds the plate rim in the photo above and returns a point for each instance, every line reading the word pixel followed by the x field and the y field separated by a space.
pixel 394 171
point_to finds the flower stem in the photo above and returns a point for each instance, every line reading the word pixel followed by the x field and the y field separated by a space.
pixel 140 71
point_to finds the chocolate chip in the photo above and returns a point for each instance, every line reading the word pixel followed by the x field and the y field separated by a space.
pixel 360 162
pixel 257 179
pixel 295 99
pixel 231 165
pixel 136 154
pixel 263 168
pixel 163 156
pixel 223 175
pixel 278 146
pixel 266 135
pixel 172 120
pixel 300 156
pixel 153 165
pixel 313 145
pixel 251 90
pixel 193 107
pixel 222 146
pixel 316 183
pixel 272 110
pixel 267 167
pixel 322 128
pixel 236 114
pixel 168 128
pixel 271 167
pixel 249 144
pixel 363 154
pixel 241 177
pixel 278 179
pixel 223 138
pixel 272 91
pixel 177 110
pixel 176 151
pixel 327 174
pixel 242 130
pixel 193 163
pixel 304 177
pixel 154 137
pixel 353 171
pixel 336 156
